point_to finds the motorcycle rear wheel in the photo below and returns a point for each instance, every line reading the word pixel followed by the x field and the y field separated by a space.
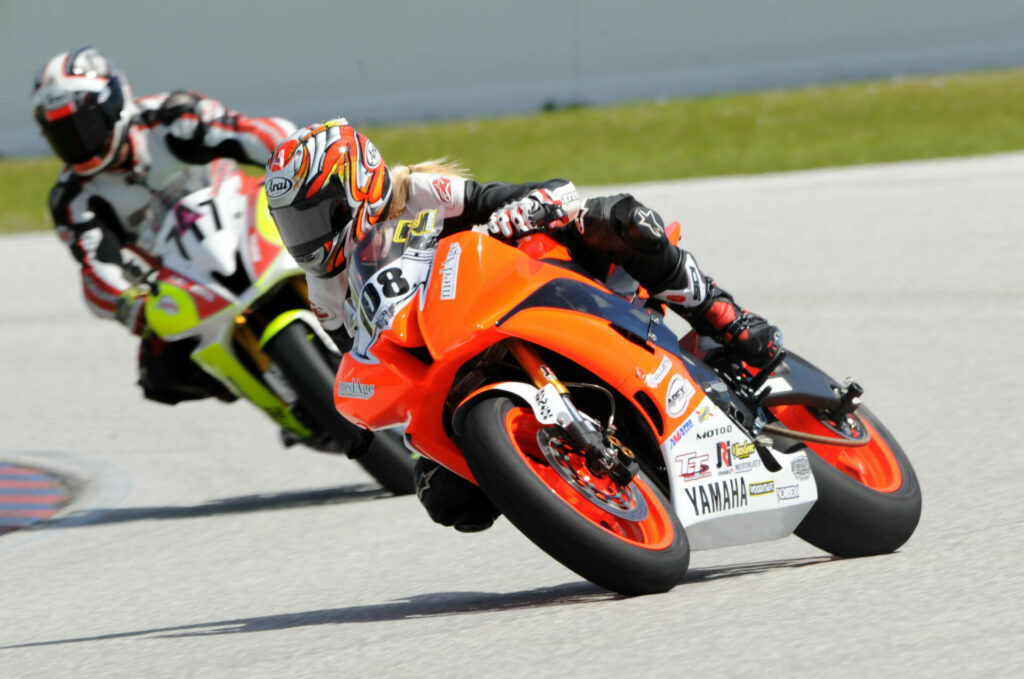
pixel 869 500
pixel 388 461
pixel 632 557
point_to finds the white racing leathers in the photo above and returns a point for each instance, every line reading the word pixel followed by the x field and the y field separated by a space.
pixel 179 143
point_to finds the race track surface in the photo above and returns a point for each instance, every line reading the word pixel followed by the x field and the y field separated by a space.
pixel 198 546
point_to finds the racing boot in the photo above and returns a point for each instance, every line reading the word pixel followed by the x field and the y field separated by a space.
pixel 451 500
pixel 712 312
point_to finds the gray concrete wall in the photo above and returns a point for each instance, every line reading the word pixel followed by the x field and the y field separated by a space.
pixel 397 60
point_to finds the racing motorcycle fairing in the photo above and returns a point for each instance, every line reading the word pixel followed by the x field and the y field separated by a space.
pixel 220 253
pixel 479 293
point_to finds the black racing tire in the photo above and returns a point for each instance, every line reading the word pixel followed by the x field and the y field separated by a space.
pixel 628 557
pixel 868 509
pixel 312 377
pixel 390 462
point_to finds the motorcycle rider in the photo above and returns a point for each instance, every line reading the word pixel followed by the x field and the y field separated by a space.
pixel 128 161
pixel 327 184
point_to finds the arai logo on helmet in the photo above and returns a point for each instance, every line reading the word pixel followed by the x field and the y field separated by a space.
pixel 278 186
pixel 372 154
pixel 678 396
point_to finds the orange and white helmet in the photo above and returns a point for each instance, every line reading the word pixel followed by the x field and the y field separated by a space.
pixel 84 106
pixel 326 183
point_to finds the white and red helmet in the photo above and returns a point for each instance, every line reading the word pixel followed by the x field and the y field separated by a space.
pixel 84 106
pixel 326 184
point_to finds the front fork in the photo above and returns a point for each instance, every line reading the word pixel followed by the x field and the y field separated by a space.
pixel 605 455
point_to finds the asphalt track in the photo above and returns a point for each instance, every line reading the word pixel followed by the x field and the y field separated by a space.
pixel 199 547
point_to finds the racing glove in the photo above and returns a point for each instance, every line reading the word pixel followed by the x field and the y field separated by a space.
pixel 130 308
pixel 540 209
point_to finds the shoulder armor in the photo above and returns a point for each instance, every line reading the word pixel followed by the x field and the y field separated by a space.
pixel 177 104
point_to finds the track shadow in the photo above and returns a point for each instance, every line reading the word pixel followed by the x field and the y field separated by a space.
pixel 426 606
pixel 420 606
pixel 231 505
pixel 735 570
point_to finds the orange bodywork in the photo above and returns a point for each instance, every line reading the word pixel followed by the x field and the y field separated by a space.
pixel 458 318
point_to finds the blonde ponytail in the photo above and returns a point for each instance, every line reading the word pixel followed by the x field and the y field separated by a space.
pixel 400 179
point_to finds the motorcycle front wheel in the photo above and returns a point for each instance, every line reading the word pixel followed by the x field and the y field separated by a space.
pixel 626 539
pixel 869 500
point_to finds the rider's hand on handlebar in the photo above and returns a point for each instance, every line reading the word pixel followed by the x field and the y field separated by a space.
pixel 130 308
pixel 541 209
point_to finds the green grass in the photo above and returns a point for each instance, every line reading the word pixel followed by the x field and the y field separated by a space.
pixel 882 121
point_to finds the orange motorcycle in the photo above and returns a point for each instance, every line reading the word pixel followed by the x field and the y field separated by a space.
pixel 608 442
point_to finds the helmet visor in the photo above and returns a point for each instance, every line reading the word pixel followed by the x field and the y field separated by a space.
pixel 309 230
pixel 88 131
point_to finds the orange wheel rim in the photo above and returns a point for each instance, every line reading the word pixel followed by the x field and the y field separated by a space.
pixel 655 531
pixel 874 465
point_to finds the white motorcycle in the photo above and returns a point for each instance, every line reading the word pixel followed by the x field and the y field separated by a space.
pixel 227 285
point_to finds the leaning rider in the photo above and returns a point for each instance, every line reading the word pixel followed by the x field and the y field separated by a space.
pixel 127 162
pixel 327 180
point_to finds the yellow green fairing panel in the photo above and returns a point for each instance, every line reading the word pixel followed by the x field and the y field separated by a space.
pixel 264 222
pixel 185 315
pixel 282 321
pixel 222 364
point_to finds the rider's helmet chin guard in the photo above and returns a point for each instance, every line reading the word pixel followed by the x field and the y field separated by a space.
pixel 326 184
pixel 84 106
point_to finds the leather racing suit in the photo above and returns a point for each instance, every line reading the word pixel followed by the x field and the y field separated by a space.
pixel 178 143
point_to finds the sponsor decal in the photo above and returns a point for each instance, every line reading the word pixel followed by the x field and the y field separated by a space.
pixel 697 281
pixel 277 164
pixel 717 431
pixel 254 248
pixel 678 396
pixel 679 433
pixel 746 466
pixel 423 225
pixel 202 292
pixel 704 413
pixel 718 496
pixel 290 149
pixel 762 488
pixel 443 189
pixel 788 492
pixel 450 271
pixel 321 313
pixel 543 403
pixel 355 389
pixel 278 186
pixel 649 221
pixel 386 315
pixel 167 305
pixel 743 450
pixel 724 458
pixel 693 466
pixel 187 219
pixel 801 468
pixel 655 378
